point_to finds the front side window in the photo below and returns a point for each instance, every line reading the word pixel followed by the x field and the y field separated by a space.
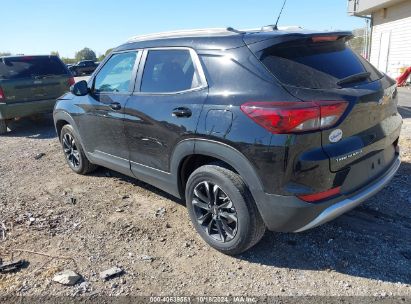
pixel 168 71
pixel 116 74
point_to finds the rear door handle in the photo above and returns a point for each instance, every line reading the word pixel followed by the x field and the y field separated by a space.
pixel 181 112
pixel 115 106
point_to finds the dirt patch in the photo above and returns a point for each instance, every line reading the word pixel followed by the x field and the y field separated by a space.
pixel 107 219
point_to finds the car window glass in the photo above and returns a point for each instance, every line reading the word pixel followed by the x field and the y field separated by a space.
pixel 31 66
pixel 319 65
pixel 168 71
pixel 116 74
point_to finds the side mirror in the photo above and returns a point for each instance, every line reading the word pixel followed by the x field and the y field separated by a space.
pixel 80 88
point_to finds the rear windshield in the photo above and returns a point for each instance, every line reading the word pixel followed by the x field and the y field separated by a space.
pixel 318 65
pixel 31 66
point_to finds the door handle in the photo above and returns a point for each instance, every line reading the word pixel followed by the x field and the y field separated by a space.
pixel 181 112
pixel 115 106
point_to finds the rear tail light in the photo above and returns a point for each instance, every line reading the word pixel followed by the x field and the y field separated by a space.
pixel 295 117
pixel 2 96
pixel 311 198
pixel 71 81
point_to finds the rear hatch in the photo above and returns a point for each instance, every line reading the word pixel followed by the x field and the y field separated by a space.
pixel 321 67
pixel 33 78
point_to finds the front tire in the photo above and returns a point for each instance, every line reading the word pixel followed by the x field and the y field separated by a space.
pixel 3 126
pixel 74 153
pixel 222 210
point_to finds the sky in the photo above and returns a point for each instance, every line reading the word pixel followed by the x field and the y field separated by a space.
pixel 41 26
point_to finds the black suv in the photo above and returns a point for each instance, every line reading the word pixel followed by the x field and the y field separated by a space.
pixel 277 129
pixel 83 67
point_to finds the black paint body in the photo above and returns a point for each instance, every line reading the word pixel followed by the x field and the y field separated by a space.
pixel 143 139
pixel 83 67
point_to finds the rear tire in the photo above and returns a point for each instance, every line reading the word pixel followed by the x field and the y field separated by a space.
pixel 227 217
pixel 74 152
pixel 3 126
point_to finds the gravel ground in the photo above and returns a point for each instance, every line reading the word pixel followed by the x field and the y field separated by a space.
pixel 92 223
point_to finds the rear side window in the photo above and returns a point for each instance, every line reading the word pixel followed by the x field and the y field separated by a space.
pixel 116 74
pixel 31 66
pixel 316 65
pixel 168 71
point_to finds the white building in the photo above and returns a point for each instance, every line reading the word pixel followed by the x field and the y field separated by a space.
pixel 390 32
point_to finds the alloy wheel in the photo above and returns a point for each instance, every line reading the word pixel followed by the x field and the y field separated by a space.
pixel 215 212
pixel 71 151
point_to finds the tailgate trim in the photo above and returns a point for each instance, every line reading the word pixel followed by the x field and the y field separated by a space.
pixel 349 203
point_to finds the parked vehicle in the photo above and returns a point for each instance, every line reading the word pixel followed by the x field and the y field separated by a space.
pixel 284 130
pixel 30 85
pixel 83 67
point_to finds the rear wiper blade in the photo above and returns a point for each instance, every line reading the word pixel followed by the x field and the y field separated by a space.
pixel 354 78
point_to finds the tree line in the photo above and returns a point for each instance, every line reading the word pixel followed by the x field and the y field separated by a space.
pixel 84 54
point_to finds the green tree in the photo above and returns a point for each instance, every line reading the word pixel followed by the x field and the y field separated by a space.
pixel 67 60
pixel 85 54
pixel 101 57
pixel 55 53
pixel 360 41
pixel 108 51
pixel 5 53
pixel 357 44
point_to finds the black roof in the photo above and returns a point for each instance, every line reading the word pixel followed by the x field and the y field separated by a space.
pixel 220 39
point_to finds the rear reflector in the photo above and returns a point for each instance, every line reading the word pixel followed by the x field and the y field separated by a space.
pixel 320 196
pixel 295 117
pixel 71 81
pixel 2 96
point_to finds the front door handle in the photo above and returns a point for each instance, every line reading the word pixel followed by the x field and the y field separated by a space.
pixel 115 106
pixel 181 112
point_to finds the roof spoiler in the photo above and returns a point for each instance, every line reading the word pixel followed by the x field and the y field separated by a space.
pixel 272 38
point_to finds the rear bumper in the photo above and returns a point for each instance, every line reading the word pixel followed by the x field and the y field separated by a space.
pixel 349 203
pixel 290 214
pixel 21 109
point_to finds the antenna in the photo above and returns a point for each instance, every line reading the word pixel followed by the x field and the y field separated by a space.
pixel 279 16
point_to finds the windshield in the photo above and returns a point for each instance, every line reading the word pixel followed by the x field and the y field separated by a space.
pixel 31 66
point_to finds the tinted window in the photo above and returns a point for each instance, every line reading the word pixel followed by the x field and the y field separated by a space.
pixel 168 71
pixel 315 65
pixel 116 74
pixel 31 66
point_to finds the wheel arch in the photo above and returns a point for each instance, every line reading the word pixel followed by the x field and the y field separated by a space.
pixel 191 154
pixel 61 119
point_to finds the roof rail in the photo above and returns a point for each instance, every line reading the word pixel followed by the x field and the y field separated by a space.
pixel 181 33
pixel 231 29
